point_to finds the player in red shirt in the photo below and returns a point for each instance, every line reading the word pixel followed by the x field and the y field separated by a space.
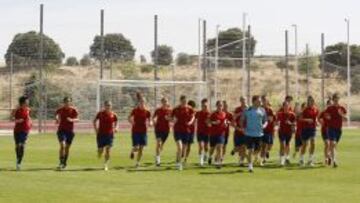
pixel 337 114
pixel 161 122
pixel 105 125
pixel 21 117
pixel 268 138
pixel 183 117
pixel 218 124
pixel 309 119
pixel 286 120
pixel 65 117
pixel 229 122
pixel 298 141
pixel 202 130
pixel 139 118
pixel 239 135
pixel 323 120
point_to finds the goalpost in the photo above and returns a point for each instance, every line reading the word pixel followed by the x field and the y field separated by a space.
pixel 171 89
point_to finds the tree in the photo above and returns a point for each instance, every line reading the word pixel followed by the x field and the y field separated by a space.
pixel 85 60
pixel 165 56
pixel 305 61
pixel 183 59
pixel 234 50
pixel 72 61
pixel 25 49
pixel 337 60
pixel 116 48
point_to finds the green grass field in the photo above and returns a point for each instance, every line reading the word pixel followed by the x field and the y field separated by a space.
pixel 84 180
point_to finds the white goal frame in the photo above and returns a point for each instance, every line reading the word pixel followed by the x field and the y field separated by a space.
pixel 202 92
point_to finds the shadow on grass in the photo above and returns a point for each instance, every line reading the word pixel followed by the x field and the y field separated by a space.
pixel 81 169
pixel 154 169
pixel 221 172
pixel 28 169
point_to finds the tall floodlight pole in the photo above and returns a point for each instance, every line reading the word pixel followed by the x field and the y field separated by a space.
pixel 200 90
pixel 307 71
pixel 41 59
pixel 296 63
pixel 11 80
pixel 243 92
pixel 348 72
pixel 156 56
pixel 204 60
pixel 249 53
pixel 286 63
pixel 322 70
pixel 102 43
pixel 216 61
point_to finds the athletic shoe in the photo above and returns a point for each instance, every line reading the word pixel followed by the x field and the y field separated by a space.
pixel 132 155
pixel 18 167
pixel 179 166
pixel 137 165
pixel 335 165
pixel 106 168
pixel 267 155
pixel 310 163
pixel 209 160
pixel 157 161
pixel 251 169
pixel 262 163
pixel 287 162
pixel 301 163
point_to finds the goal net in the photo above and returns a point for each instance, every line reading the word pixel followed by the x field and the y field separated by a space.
pixel 122 93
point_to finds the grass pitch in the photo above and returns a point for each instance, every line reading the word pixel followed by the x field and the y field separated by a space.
pixel 85 181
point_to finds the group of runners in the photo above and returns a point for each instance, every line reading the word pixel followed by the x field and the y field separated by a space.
pixel 254 128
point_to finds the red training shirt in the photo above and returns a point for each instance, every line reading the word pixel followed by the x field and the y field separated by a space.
pixel 202 122
pixel 140 116
pixel 218 129
pixel 310 113
pixel 106 123
pixel 64 113
pixel 22 113
pixel 335 118
pixel 162 124
pixel 283 118
pixel 240 111
pixel 183 115
pixel 270 126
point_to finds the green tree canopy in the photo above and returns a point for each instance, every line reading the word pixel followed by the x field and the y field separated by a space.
pixel 25 48
pixel 72 61
pixel 338 57
pixel 165 56
pixel 116 48
pixel 183 59
pixel 234 50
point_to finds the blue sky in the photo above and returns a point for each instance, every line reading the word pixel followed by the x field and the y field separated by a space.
pixel 74 23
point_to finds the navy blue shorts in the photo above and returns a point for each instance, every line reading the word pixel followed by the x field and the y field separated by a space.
pixel 298 142
pixel 203 138
pixel 268 138
pixel 192 135
pixel 139 139
pixel 325 135
pixel 20 137
pixel 334 134
pixel 64 136
pixel 239 140
pixel 185 138
pixel 308 133
pixel 285 138
pixel 162 136
pixel 216 139
pixel 105 140
pixel 253 142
